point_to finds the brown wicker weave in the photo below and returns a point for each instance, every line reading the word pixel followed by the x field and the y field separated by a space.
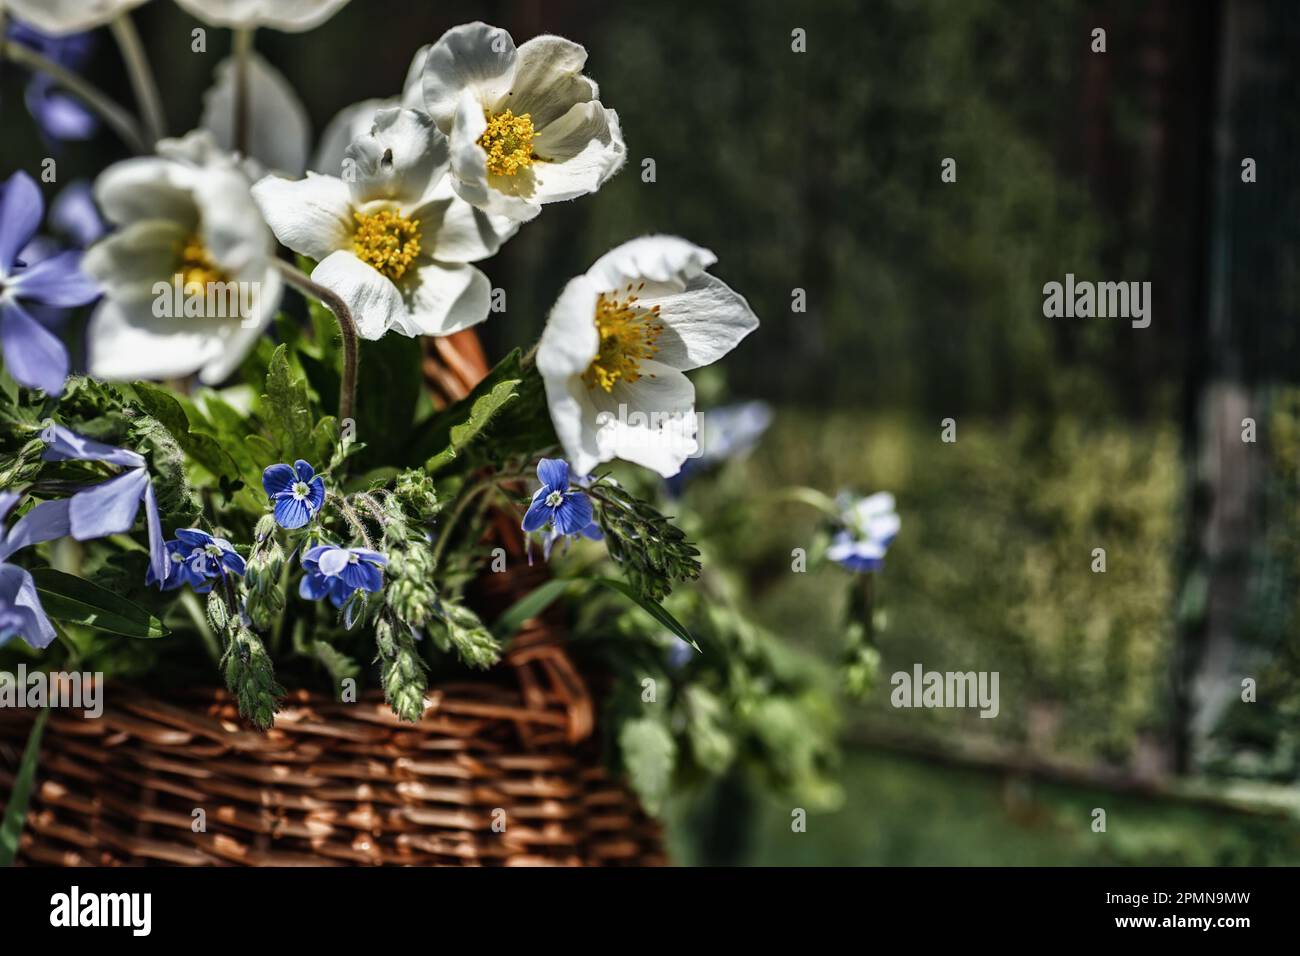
pixel 330 784
pixel 502 770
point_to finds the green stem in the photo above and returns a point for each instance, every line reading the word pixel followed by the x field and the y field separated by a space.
pixel 141 76
pixel 115 116
pixel 347 327
pixel 192 607
pixel 242 123
pixel 461 505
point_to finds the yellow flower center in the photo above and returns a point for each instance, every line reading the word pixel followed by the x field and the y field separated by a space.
pixel 627 338
pixel 196 266
pixel 508 141
pixel 386 240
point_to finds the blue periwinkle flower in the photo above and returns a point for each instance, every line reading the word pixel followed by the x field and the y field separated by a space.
pixel 33 354
pixel 868 527
pixel 296 492
pixel 338 573
pixel 197 558
pixel 21 613
pixel 566 511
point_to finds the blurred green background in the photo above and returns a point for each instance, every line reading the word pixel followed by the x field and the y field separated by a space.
pixel 820 171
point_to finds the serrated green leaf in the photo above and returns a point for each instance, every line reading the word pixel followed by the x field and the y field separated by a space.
pixel 473 422
pixel 201 447
pixel 66 597
pixel 287 409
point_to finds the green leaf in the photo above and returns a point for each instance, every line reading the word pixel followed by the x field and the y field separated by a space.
pixel 529 606
pixel 654 609
pixel 199 446
pixel 67 597
pixel 287 409
pixel 472 422
pixel 389 385
pixel 649 754
pixel 11 827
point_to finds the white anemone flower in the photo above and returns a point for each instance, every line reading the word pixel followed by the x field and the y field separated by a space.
pixel 617 342
pixel 355 121
pixel 289 16
pixel 58 17
pixel 393 242
pixel 526 127
pixel 188 229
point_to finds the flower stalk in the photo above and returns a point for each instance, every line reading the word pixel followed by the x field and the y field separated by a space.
pixel 347 327
pixel 143 84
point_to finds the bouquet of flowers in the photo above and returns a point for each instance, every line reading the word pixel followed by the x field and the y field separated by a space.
pixel 277 457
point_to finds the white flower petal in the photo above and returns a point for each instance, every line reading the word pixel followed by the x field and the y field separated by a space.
pixel 701 324
pixel 443 298
pixel 570 340
pixel 127 343
pixel 649 422
pixel 474 58
pixel 146 188
pixel 68 16
pixel 581 150
pixel 413 87
pixel 279 131
pixel 291 16
pixel 375 303
pixel 311 216
pixel 548 79
pixel 400 160
pixel 230 225
pixel 243 334
pixel 348 124
pixel 127 263
pixel 665 263
pixel 574 418
pixel 454 231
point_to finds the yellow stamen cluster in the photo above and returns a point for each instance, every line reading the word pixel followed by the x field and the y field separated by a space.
pixel 195 264
pixel 508 141
pixel 386 240
pixel 627 337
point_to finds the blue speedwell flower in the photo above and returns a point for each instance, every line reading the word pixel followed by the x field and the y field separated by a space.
pixel 338 573
pixel 725 433
pixel 566 511
pixel 33 354
pixel 296 492
pixel 869 526
pixel 109 507
pixel 197 558
pixel 21 614
pixel 59 115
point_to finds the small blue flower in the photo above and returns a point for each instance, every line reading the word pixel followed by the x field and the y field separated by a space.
pixel 338 573
pixel 34 355
pixel 868 526
pixel 731 431
pixel 59 115
pixel 197 558
pixel 296 492
pixel 21 614
pixel 111 506
pixel 567 512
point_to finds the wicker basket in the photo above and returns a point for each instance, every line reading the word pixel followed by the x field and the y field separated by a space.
pixel 488 777
pixel 502 770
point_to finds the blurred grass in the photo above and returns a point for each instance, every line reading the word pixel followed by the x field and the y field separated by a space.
pixel 903 810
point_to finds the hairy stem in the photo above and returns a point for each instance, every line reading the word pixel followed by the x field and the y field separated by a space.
pixel 141 76
pixel 114 115
pixel 348 328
